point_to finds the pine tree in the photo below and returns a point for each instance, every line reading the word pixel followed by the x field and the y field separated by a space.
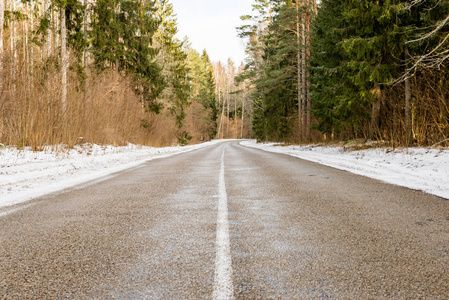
pixel 278 56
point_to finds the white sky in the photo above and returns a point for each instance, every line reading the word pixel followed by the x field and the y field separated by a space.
pixel 210 25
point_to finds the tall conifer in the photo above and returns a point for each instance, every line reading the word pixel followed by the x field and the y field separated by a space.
pixel 173 60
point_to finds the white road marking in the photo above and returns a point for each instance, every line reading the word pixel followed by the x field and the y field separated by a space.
pixel 223 288
pixel 11 211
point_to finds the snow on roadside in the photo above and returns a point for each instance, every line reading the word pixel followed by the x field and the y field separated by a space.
pixel 25 175
pixel 416 168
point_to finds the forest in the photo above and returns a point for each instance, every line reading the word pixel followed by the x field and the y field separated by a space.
pixel 109 72
pixel 114 72
pixel 344 69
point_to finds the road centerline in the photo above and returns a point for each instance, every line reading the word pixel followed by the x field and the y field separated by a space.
pixel 223 287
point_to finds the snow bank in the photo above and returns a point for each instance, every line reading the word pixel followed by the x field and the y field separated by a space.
pixel 25 174
pixel 416 168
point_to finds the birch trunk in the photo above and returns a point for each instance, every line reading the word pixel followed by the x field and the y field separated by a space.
pixel 24 78
pixel 52 45
pixel 85 34
pixel 28 47
pixel 86 28
pixel 86 22
pixel 13 47
pixel 64 60
pixel 46 38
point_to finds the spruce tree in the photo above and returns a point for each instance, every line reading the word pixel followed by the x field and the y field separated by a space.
pixel 337 104
pixel 357 47
pixel 122 36
pixel 173 60
pixel 207 95
pixel 203 90
pixel 279 85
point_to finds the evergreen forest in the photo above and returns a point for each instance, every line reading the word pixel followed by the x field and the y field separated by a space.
pixel 114 72
pixel 343 69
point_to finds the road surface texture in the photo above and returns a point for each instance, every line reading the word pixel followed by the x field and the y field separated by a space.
pixel 227 222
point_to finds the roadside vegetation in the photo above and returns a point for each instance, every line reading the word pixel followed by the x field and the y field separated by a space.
pixel 108 72
pixel 340 70
pixel 114 72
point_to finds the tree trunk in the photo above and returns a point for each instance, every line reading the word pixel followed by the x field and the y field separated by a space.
pixel 221 118
pixel 13 47
pixel 298 57
pixel 304 78
pixel 86 61
pixel 227 111
pixel 235 116
pixel 46 38
pixel 408 113
pixel 2 18
pixel 375 113
pixel 29 47
pixel 85 34
pixel 24 79
pixel 243 114
pixel 408 108
pixel 26 53
pixel 52 45
pixel 64 60
pixel 308 100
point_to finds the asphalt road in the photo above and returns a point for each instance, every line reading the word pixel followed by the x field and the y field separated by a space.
pixel 227 221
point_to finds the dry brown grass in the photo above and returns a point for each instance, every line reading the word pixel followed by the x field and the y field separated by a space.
pixel 106 112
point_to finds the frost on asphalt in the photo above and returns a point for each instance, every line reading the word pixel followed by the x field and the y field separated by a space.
pixel 421 169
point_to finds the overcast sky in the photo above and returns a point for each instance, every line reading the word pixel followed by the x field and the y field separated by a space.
pixel 210 25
